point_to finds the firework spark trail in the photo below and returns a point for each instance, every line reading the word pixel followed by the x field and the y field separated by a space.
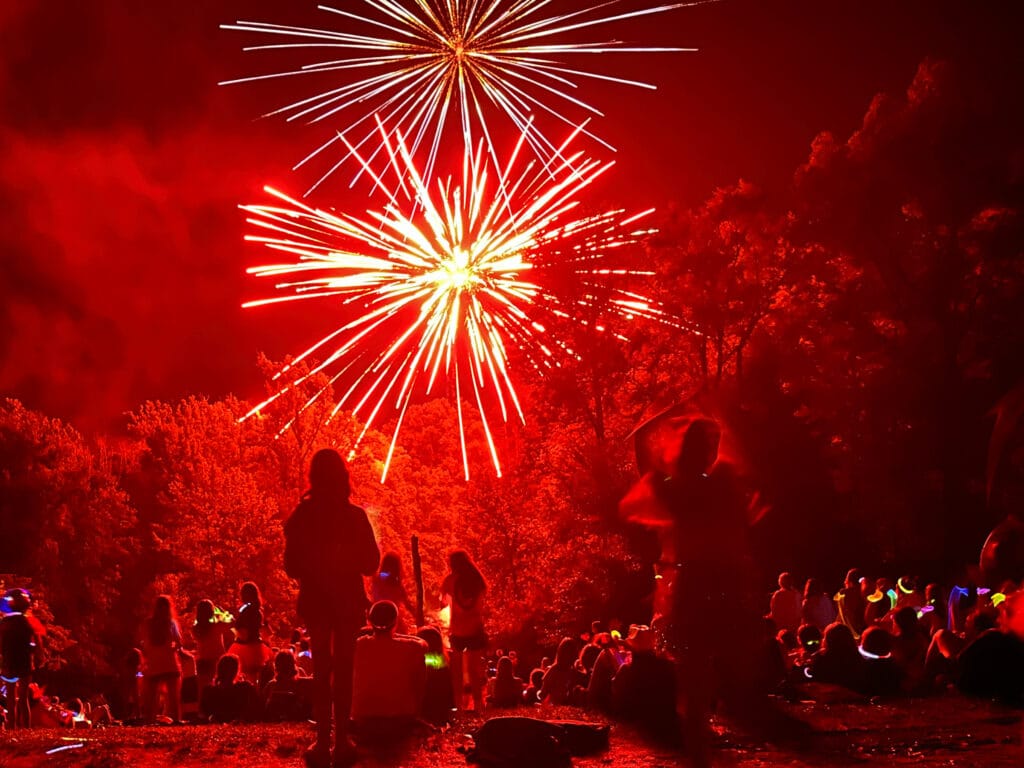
pixel 415 66
pixel 444 292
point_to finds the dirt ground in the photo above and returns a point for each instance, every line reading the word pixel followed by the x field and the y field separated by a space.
pixel 946 731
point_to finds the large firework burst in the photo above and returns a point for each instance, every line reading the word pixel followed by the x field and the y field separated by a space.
pixel 429 66
pixel 447 278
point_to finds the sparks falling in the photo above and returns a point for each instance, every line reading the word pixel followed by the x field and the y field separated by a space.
pixel 430 66
pixel 443 282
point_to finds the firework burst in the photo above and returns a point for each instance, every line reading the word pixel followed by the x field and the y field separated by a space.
pixel 429 66
pixel 446 279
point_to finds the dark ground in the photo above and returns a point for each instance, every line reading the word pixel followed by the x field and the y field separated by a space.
pixel 946 731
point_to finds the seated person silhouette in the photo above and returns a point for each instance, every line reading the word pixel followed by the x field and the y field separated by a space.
pixel 288 696
pixel 231 698
pixel 389 679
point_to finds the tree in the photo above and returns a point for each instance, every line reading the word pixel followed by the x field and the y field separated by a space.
pixel 67 527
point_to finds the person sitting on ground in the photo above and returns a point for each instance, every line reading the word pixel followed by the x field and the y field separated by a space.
pixel 438 698
pixel 531 695
pixel 129 688
pixel 790 647
pixel 809 638
pixel 599 689
pixel 879 603
pixel 585 661
pixel 839 662
pixel 189 685
pixel 506 688
pixel 992 664
pixel 817 608
pixel 303 657
pixel 288 696
pixel 644 689
pixel 934 612
pixel 772 665
pixel 786 601
pixel 513 656
pixel 561 677
pixel 908 594
pixel 387 584
pixel 909 648
pixel 48 711
pixel 231 697
pixel 390 676
pixel 881 673
pixel 941 667
pixel 850 602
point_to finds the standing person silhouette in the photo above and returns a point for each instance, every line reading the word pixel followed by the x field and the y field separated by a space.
pixel 161 641
pixel 252 652
pixel 329 546
pixel 21 636
pixel 712 616
pixel 463 589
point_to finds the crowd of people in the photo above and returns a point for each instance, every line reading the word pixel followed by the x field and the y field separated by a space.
pixel 875 637
pixel 367 667
pixel 882 637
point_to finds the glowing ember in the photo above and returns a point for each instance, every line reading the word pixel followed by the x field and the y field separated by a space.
pixel 435 285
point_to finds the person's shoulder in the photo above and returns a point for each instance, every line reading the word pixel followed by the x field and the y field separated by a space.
pixel 411 641
pixel 724 469
pixel 354 511
pixel 302 512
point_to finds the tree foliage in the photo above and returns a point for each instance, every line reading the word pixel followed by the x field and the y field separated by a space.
pixel 853 329
pixel 67 526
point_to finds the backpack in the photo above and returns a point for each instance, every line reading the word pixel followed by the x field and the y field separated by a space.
pixel 582 738
pixel 512 742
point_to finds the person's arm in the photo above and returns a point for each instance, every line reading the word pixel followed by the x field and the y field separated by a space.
pixel 366 553
pixel 227 636
pixel 644 505
pixel 39 652
pixel 546 685
pixel 447 590
pixel 406 601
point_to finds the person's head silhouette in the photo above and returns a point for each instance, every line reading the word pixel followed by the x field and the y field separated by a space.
pixel 699 450
pixel 328 475
pixel 383 616
pixel 228 666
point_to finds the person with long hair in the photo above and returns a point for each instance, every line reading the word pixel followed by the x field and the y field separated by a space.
pixel 463 590
pixel 210 639
pixel 839 662
pixel 817 607
pixel 248 646
pixel 329 547
pixel 161 670
pixel 561 677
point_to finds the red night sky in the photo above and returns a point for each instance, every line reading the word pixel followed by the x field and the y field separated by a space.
pixel 122 163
